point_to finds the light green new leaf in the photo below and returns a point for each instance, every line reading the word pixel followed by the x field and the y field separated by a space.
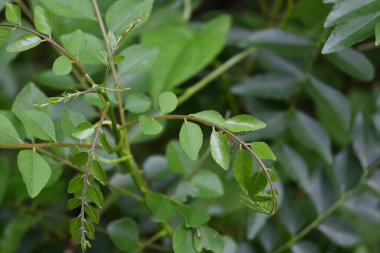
pixel 35 171
pixel 13 13
pixel 167 102
pixel 353 63
pixel 76 43
pixel 161 207
pixel 70 120
pixel 138 59
pixel 194 216
pixel 81 9
pixel 62 66
pixel 208 239
pixel 150 126
pixel 137 102
pixel 208 183
pixel 7 131
pixel 183 240
pixel 42 20
pixel 97 171
pixel 124 233
pixel 5 32
pixel 243 123
pixel 83 131
pixel 262 150
pixel 210 116
pixel 219 149
pixel 39 124
pixel 23 43
pixel 118 20
pixel 242 167
pixel 191 139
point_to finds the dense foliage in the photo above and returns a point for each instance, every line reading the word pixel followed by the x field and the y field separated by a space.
pixel 148 126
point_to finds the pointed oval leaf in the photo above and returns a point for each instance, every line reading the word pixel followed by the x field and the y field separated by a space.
pixel 5 32
pixel 262 150
pixel 62 66
pixel 23 43
pixel 83 131
pixel 92 213
pixel 150 126
pixel 69 120
pixel 137 59
pixel 210 116
pixel 79 159
pixel 124 233
pixel 98 172
pixel 339 232
pixel 208 239
pixel 191 139
pixel 82 9
pixel 137 103
pixel 35 171
pixel 7 131
pixel 243 123
pixel 42 20
pixel 27 98
pixel 219 149
pixel 183 240
pixel 73 203
pixel 194 216
pixel 95 195
pixel 167 102
pixel 208 183
pixel 242 167
pixel 39 124
pixel 13 13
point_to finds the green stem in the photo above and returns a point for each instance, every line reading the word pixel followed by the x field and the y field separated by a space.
pixel 151 240
pixel 187 10
pixel 214 74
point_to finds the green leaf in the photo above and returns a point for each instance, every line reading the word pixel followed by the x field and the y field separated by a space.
pixel 377 34
pixel 210 116
pixel 262 150
pixel 194 216
pixel 103 141
pixel 35 171
pixel 79 159
pixel 261 204
pixel 73 203
pixel 167 102
pixel 98 172
pixel 39 124
pixel 185 190
pixel 347 170
pixel 138 59
pixel 23 43
pixel 219 149
pixel 51 80
pixel 75 184
pixel 82 9
pixel 95 195
pixel 311 134
pixel 191 139
pixel 118 20
pixel 42 20
pixel 83 131
pixel 242 167
pixel 340 232
pixel 137 103
pixel 124 233
pixel 76 43
pixel 183 240
pixel 256 183
pixel 7 131
pixel 13 13
pixel 353 63
pixel 305 246
pixel 255 223
pixel 69 120
pixel 62 66
pixel 208 239
pixel 364 205
pixel 161 207
pixel 5 32
pixel 178 160
pixel 184 51
pixel 243 123
pixel 75 225
pixel 275 86
pixel 150 126
pixel 208 183
pixel 27 97
pixel 92 213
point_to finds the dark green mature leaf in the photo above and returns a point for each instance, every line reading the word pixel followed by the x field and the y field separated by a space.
pixel 208 183
pixel 118 20
pixel 97 171
pixel 161 207
pixel 73 203
pixel 5 32
pixel 365 205
pixel 219 149
pixel 95 195
pixel 138 59
pixel 70 120
pixel 353 63
pixel 150 126
pixel 183 240
pixel 27 98
pixel 210 116
pixel 75 184
pixel 7 131
pixel 339 232
pixel 208 239
pixel 242 167
pixel 71 8
pixel 309 133
pixel 191 139
pixel 347 170
pixel 275 86
pixel 167 101
pixel 124 233
pixel 277 64
pixel 178 160
pixel 374 181
pixel 255 223
pixel 92 213
pixel 39 124
pixel 62 66
pixel 13 13
pixel 243 123
pixel 305 246
pixel 194 216
pixel 83 131
pixel 79 158
pixel 259 203
pixel 35 171
pixel 23 43
pixel 42 20
pixel 180 45
pixel 321 190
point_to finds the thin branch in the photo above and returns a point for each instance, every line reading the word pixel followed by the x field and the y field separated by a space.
pixel 127 193
pixel 151 240
pixel 44 145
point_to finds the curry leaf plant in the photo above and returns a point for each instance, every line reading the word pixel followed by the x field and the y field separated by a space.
pixel 93 146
